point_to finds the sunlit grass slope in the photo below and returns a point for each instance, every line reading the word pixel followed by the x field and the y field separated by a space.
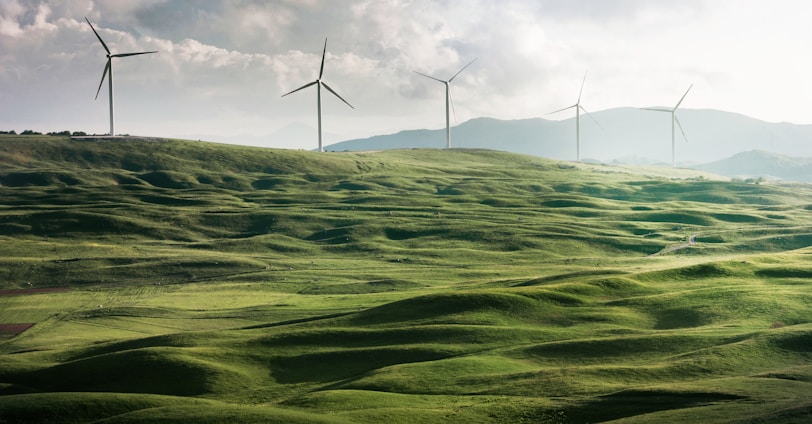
pixel 179 281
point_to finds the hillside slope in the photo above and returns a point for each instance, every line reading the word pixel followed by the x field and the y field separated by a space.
pixel 176 281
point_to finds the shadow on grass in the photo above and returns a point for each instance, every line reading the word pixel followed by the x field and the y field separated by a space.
pixel 325 367
pixel 630 403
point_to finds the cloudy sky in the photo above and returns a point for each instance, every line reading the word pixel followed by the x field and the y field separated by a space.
pixel 223 65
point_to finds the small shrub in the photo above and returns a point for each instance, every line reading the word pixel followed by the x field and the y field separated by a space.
pixel 777 324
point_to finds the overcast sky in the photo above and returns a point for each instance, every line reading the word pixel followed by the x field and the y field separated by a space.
pixel 223 65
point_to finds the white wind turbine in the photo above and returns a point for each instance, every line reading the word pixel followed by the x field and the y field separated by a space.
pixel 674 120
pixel 578 109
pixel 108 68
pixel 448 101
pixel 318 83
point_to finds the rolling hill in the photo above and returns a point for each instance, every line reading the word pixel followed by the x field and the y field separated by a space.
pixel 170 281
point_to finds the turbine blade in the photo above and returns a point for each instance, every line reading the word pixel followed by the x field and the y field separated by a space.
pixel 657 109
pixel 336 94
pixel 130 54
pixel 683 97
pixel 561 110
pixel 582 89
pixel 104 74
pixel 323 54
pixel 429 76
pixel 302 87
pixel 590 116
pixel 463 68
pixel 680 127
pixel 98 36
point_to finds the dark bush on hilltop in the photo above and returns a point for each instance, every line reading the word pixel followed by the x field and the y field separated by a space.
pixel 67 133
pixel 30 132
pixel 12 132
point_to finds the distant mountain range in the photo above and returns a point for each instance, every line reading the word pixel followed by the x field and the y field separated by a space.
pixel 760 164
pixel 625 135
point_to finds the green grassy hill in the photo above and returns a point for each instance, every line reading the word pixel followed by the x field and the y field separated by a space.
pixel 177 281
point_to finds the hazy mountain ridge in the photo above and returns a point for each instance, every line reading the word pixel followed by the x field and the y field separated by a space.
pixel 767 165
pixel 712 135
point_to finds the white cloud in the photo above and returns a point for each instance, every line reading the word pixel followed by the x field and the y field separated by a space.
pixel 223 65
pixel 10 12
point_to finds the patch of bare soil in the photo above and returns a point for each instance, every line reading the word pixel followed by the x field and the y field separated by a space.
pixel 14 329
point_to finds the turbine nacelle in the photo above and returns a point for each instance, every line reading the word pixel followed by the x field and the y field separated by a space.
pixel 578 108
pixel 319 83
pixel 108 69
pixel 110 56
pixel 674 122
pixel 448 99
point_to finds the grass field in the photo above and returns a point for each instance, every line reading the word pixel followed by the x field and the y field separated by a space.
pixel 176 281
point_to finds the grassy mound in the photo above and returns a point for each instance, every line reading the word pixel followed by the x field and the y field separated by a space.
pixel 181 281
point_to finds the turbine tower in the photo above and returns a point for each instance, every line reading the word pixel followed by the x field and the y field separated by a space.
pixel 578 109
pixel 318 83
pixel 448 101
pixel 674 120
pixel 108 68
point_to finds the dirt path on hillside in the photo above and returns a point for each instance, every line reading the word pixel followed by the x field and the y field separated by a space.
pixel 691 242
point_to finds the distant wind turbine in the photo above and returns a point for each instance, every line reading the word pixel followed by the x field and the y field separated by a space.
pixel 578 109
pixel 674 120
pixel 448 101
pixel 108 68
pixel 318 83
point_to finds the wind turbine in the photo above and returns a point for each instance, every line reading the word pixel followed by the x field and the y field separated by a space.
pixel 318 83
pixel 109 68
pixel 674 119
pixel 447 101
pixel 578 109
